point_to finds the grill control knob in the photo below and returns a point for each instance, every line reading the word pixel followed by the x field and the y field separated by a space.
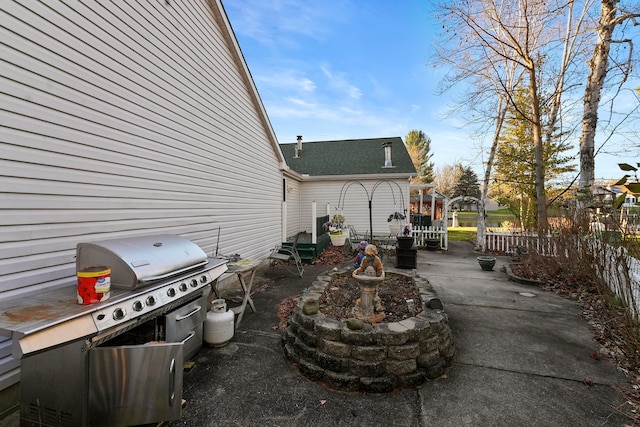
pixel 204 279
pixel 151 300
pixel 194 283
pixel 171 292
pixel 138 306
pixel 119 313
pixel 183 286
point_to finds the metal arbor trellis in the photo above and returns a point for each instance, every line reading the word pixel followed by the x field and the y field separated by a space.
pixel 348 184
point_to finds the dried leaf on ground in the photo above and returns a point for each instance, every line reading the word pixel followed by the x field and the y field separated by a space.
pixel 285 310
pixel 332 256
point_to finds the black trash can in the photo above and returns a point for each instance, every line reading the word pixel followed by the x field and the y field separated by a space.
pixel 420 220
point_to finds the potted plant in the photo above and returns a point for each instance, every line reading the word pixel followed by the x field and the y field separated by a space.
pixel 336 233
pixel 395 222
pixel 486 262
pixel 405 241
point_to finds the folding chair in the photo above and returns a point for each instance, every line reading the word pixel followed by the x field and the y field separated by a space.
pixel 287 253
pixel 355 238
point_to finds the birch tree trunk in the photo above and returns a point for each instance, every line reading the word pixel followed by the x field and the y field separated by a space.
pixel 610 17
pixel 481 241
pixel 597 73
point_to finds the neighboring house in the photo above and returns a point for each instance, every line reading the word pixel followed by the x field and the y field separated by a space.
pixel 630 199
pixel 609 193
pixel 605 194
pixel 355 177
pixel 122 119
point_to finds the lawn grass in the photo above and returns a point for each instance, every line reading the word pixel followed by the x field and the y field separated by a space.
pixel 495 218
pixel 462 234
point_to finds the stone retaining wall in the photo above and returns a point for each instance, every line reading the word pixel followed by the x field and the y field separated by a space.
pixel 377 358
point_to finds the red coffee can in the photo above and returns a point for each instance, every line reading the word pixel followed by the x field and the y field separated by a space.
pixel 94 284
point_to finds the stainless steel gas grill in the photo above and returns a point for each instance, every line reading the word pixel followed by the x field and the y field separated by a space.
pixel 136 262
pixel 118 362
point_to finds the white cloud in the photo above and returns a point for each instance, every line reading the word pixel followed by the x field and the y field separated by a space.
pixel 278 23
pixel 339 83
pixel 288 79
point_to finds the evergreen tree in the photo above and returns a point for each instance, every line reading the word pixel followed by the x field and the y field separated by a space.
pixel 419 147
pixel 467 185
pixel 515 166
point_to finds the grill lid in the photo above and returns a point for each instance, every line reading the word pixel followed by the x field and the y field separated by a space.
pixel 142 259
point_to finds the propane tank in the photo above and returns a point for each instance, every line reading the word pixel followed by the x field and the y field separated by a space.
pixel 218 327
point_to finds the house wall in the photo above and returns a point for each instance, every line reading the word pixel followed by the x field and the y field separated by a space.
pixel 293 194
pixel 122 119
pixel 353 196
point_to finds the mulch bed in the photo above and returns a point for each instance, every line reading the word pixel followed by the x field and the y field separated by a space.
pixel 343 290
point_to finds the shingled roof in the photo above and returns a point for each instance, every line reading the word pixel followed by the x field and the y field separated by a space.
pixel 349 157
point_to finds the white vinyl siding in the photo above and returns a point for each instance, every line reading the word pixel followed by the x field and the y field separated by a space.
pixel 386 197
pixel 126 118
pixel 293 221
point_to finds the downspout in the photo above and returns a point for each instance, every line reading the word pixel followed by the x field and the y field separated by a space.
pixel 283 212
pixel 314 225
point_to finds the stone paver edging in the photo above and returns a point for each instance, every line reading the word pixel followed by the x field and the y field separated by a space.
pixel 377 358
pixel 518 279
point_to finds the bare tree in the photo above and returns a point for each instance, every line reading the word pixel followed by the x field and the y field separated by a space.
pixel 481 241
pixel 446 177
pixel 502 40
pixel 611 16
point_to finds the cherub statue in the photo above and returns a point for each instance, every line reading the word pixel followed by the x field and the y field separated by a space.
pixel 371 260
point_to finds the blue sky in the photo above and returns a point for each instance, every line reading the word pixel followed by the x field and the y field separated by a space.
pixel 348 69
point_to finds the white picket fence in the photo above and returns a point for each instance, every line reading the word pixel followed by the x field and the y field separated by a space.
pixel 508 241
pixel 422 234
pixel 620 271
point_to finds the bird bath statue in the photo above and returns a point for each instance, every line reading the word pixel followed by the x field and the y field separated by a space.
pixel 369 275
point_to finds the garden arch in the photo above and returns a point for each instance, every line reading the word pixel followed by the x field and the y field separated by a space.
pixel 348 184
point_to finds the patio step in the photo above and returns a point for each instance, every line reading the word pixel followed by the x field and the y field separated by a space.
pixel 307 252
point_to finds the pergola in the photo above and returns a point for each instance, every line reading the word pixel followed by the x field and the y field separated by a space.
pixel 445 207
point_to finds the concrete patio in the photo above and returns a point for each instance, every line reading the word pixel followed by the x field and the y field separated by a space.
pixel 522 358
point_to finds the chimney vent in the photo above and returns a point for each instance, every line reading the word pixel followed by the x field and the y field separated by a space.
pixel 298 147
pixel 387 155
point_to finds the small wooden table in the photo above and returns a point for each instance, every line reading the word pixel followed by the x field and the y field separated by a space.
pixel 244 268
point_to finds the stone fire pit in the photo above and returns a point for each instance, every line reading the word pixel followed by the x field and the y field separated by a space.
pixel 375 358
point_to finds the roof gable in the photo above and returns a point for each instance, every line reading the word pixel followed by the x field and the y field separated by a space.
pixel 349 157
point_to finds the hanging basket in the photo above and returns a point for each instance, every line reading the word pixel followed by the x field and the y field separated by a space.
pixel 395 227
pixel 338 239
